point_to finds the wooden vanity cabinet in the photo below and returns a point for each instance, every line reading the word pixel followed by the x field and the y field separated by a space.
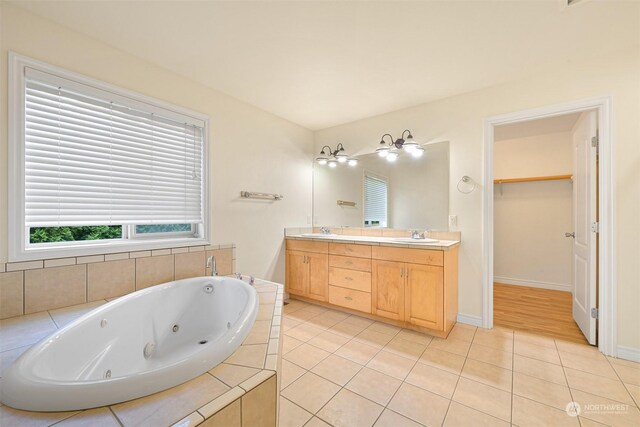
pixel 307 270
pixel 387 289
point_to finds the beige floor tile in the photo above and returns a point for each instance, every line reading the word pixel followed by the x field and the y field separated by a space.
pixel 291 415
pixel 346 329
pixel 624 362
pixel 462 332
pixel 488 374
pixel 586 422
pixel 605 410
pixel 594 365
pixel 233 375
pixel 334 314
pixel 304 332
pixel 627 373
pixel 249 355
pixel 316 309
pixel 289 343
pixel 316 422
pixel 288 323
pixel 539 340
pixel 462 416
pixel 389 418
pixel 451 345
pixel 337 369
pixel 391 364
pixel 494 338
pixel 99 417
pixel 585 350
pixel 289 373
pixel 409 349
pixel 442 360
pixel 419 405
pixel 535 351
pixel 310 391
pixel 433 379
pixel 541 391
pixel 358 321
pixel 529 413
pixel 634 391
pixel 600 386
pixel 493 356
pixel 24 330
pixel 301 315
pixel 539 369
pixel 373 338
pixel 348 409
pixel 409 335
pixel 374 385
pixel 322 322
pixel 484 398
pixel 10 417
pixel 328 341
pixel 64 316
pixel 357 352
pixel 385 328
pixel 306 356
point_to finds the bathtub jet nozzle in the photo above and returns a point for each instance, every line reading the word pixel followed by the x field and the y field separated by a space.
pixel 149 349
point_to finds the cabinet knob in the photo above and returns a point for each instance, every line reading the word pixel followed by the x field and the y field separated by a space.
pixel 348 298
pixel 348 278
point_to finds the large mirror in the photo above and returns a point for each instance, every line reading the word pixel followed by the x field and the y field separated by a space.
pixel 407 193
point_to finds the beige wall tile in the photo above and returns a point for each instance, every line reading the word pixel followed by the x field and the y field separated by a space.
pixel 228 417
pixel 59 262
pixel 196 248
pixel 375 232
pixel 189 265
pixel 90 259
pixel 232 375
pixel 116 257
pixel 153 271
pixel 11 294
pixel 3 267
pixel 26 265
pixel 221 402
pixel 259 405
pixel 56 287
pixel 110 279
pixel 139 254
pixel 159 252
pixel 180 250
pixel 224 261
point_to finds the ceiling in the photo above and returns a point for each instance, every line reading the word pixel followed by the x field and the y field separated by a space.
pixel 555 124
pixel 323 63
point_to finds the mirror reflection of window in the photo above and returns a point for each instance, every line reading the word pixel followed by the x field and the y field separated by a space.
pixel 375 200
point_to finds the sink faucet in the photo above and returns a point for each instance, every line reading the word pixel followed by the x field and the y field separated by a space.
pixel 211 262
pixel 325 230
pixel 417 234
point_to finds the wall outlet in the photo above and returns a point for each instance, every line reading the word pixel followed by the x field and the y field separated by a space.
pixel 453 221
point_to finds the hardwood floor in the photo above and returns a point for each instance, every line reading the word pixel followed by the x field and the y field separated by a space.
pixel 539 311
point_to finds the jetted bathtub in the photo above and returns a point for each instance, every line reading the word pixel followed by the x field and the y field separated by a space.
pixel 142 343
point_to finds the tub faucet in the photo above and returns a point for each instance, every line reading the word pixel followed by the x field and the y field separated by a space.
pixel 211 262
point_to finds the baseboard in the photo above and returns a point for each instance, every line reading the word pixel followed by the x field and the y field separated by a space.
pixel 533 283
pixel 628 353
pixel 469 319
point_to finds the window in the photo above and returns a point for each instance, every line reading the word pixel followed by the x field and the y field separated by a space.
pixel 98 169
pixel 375 200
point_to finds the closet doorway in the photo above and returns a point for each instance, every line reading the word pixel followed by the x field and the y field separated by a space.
pixel 543 246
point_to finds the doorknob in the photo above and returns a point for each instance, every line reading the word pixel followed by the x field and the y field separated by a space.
pixel 572 234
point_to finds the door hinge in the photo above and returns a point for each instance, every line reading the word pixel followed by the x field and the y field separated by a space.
pixel 595 143
pixel 595 313
pixel 595 227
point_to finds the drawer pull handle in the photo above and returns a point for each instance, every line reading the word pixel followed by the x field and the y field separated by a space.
pixel 348 298
pixel 348 278
pixel 348 263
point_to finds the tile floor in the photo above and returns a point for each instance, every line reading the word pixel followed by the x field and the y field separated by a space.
pixel 344 370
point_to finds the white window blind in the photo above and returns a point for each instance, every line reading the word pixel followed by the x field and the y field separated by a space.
pixel 375 201
pixel 93 157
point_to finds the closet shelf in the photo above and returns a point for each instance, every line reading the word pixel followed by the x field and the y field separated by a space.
pixel 533 178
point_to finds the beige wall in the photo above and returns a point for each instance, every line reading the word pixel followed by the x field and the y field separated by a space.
pixel 460 120
pixel 250 149
pixel 530 218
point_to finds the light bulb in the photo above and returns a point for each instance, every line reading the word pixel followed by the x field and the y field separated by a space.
pixel 353 162
pixel 410 145
pixel 382 151
pixel 418 152
pixel 342 159
pixel 321 160
pixel 332 163
pixel 392 156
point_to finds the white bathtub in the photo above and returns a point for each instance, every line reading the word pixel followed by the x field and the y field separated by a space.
pixel 142 343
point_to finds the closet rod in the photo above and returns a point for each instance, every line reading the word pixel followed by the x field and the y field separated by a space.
pixel 533 178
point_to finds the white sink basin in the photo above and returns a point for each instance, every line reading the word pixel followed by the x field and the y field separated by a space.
pixel 411 240
pixel 318 235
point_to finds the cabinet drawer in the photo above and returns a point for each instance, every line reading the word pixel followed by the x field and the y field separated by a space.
pixel 349 249
pixel 352 263
pixel 358 280
pixel 414 256
pixel 348 298
pixel 308 246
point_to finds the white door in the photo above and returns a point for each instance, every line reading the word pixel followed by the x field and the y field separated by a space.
pixel 584 219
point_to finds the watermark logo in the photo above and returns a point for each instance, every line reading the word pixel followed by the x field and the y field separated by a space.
pixel 573 409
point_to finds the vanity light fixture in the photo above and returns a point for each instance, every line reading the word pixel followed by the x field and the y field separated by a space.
pixel 333 157
pixel 390 149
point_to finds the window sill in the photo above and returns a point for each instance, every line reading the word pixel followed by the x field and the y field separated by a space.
pixel 104 247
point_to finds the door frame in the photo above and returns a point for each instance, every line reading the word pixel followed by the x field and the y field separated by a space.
pixel 607 338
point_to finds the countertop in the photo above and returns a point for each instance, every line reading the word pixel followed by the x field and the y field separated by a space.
pixel 439 245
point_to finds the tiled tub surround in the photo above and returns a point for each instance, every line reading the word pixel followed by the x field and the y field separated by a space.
pixel 242 391
pixel 346 370
pixel 34 286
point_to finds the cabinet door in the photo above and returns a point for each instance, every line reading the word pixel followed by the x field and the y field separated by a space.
pixel 318 276
pixel 297 273
pixel 424 301
pixel 387 289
